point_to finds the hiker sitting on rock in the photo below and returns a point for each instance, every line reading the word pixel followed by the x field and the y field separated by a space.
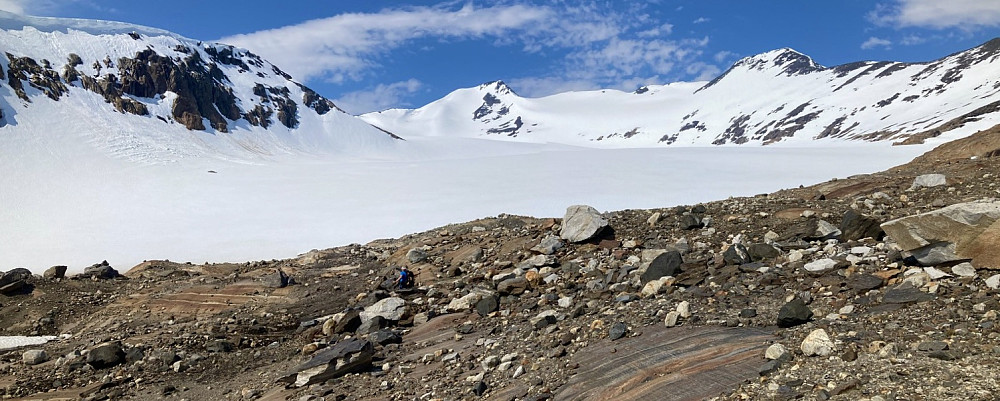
pixel 405 279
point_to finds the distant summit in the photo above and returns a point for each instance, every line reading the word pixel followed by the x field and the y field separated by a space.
pixel 123 83
pixel 777 96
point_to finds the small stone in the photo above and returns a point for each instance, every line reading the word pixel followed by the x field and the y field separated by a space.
pixel 617 331
pixel 993 282
pixel 684 309
pixel 671 319
pixel 776 351
pixel 479 389
pixel 935 274
pixel 820 265
pixel 817 343
pixel 964 269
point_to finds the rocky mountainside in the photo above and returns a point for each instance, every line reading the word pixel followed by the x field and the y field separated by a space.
pixel 874 287
pixel 778 96
pixel 96 77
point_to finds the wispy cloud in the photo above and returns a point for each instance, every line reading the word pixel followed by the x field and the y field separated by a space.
pixel 701 20
pixel 874 42
pixel 586 46
pixel 960 14
pixel 381 97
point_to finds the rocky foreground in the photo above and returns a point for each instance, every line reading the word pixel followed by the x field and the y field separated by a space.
pixel 798 294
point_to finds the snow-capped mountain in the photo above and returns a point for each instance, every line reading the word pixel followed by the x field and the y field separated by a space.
pixel 150 95
pixel 778 96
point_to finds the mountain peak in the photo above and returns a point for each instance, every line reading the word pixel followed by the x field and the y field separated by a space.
pixel 497 87
pixel 788 60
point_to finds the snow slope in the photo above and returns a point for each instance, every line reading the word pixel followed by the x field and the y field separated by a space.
pixel 221 72
pixel 780 95
pixel 87 176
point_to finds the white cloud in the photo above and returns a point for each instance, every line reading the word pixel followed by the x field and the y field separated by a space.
pixel 912 40
pixel 874 42
pixel 962 14
pixel 342 47
pixel 380 98
pixel 14 6
pixel 701 20
pixel 586 46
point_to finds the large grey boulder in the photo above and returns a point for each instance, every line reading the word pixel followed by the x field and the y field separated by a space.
pixel 392 309
pixel 344 357
pixel 971 227
pixel 581 223
pixel 928 181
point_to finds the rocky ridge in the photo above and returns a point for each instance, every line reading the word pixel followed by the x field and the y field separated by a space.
pixel 797 294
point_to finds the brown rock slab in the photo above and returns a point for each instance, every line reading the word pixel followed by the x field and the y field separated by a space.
pixel 678 363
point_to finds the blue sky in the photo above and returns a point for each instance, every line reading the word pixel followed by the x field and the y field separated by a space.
pixel 370 55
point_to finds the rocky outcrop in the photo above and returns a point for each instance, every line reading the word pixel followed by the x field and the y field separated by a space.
pixel 343 358
pixel 964 231
pixel 41 77
pixel 682 364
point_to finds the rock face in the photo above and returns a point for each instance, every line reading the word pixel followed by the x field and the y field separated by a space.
pixel 581 223
pixel 342 358
pixel 713 360
pixel 971 227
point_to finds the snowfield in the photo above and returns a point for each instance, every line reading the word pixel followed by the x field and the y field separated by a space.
pixel 80 206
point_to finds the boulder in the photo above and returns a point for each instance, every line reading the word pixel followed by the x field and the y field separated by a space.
pixel 342 358
pixel 106 355
pixel 487 305
pixel 855 226
pixel 372 325
pixel 928 181
pixel 971 227
pixel 759 252
pixel 820 265
pixel 464 303
pixel 817 343
pixel 102 271
pixel 220 346
pixel 393 309
pixel 18 275
pixel 55 272
pixel 34 357
pixel 513 286
pixel 794 313
pixel 690 222
pixel 736 254
pixel 384 337
pixel 548 245
pixel 416 255
pixel 349 323
pixel 581 223
pixel 666 264
pixel 276 279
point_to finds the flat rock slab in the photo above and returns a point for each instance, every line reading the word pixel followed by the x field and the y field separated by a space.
pixel 679 363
